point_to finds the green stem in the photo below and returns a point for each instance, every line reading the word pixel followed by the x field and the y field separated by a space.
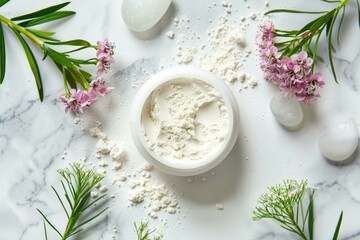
pixel 22 30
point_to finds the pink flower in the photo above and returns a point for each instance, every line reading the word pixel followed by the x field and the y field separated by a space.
pixel 292 74
pixel 311 93
pixel 78 100
pixel 98 87
pixel 104 55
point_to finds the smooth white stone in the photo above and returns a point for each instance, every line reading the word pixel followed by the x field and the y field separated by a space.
pixel 141 15
pixel 340 143
pixel 287 111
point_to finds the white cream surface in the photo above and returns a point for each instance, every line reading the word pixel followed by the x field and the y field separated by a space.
pixel 185 119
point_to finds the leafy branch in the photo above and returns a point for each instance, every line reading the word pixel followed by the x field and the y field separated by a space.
pixel 77 184
pixel 307 38
pixel 143 233
pixel 23 28
pixel 286 204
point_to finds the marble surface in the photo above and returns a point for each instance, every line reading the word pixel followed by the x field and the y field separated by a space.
pixel 37 138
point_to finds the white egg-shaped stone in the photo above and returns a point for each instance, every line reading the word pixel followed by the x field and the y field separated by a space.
pixel 141 15
pixel 340 143
pixel 287 111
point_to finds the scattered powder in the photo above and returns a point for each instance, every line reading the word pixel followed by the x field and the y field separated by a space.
pixel 225 50
pixel 185 56
pixel 185 120
pixel 141 187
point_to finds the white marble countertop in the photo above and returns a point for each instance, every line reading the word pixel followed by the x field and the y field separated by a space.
pixel 34 135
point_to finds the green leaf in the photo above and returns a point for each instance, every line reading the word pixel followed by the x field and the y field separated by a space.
pixel 340 24
pixel 47 18
pixel 3 2
pixel 75 42
pixel 57 57
pixel 358 5
pixel 33 64
pixel 291 11
pixel 2 55
pixel 337 230
pixel 315 50
pixel 41 12
pixel 311 218
pixel 321 21
pixel 43 34
pixel 307 26
pixel 53 227
pixel 330 45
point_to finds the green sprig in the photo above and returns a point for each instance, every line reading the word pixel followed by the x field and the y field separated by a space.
pixel 77 183
pixel 307 38
pixel 71 68
pixel 143 233
pixel 291 204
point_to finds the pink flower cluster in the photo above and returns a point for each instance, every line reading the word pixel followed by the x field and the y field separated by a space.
pixel 292 74
pixel 78 100
pixel 81 99
pixel 104 54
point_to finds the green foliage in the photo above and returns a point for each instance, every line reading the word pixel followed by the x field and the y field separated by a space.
pixel 308 37
pixel 291 204
pixel 71 68
pixel 143 233
pixel 77 184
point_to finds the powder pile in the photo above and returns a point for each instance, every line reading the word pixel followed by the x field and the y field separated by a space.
pixel 140 185
pixel 185 119
pixel 225 50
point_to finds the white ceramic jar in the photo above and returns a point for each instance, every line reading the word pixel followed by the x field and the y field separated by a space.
pixel 187 167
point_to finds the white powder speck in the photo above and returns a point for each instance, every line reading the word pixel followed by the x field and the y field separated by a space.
pixel 219 206
pixel 170 34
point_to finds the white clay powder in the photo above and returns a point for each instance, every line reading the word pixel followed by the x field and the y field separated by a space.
pixel 185 119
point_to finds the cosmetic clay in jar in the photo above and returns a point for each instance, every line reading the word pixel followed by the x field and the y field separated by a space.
pixel 185 121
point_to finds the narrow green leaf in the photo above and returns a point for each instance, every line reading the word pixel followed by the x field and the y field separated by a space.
pixel 311 219
pixel 43 34
pixel 90 219
pixel 291 11
pixel 340 24
pixel 61 202
pixel 322 20
pixel 58 57
pixel 315 50
pixel 45 231
pixel 358 5
pixel 2 55
pixel 307 26
pixel 47 18
pixel 33 64
pixel 337 230
pixel 45 218
pixel 75 42
pixel 3 2
pixel 41 12
pixel 330 45
pixel 328 25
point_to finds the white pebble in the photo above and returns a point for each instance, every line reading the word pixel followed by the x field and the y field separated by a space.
pixel 287 111
pixel 340 143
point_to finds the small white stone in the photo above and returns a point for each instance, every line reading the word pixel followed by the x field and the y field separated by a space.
pixel 340 143
pixel 287 111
